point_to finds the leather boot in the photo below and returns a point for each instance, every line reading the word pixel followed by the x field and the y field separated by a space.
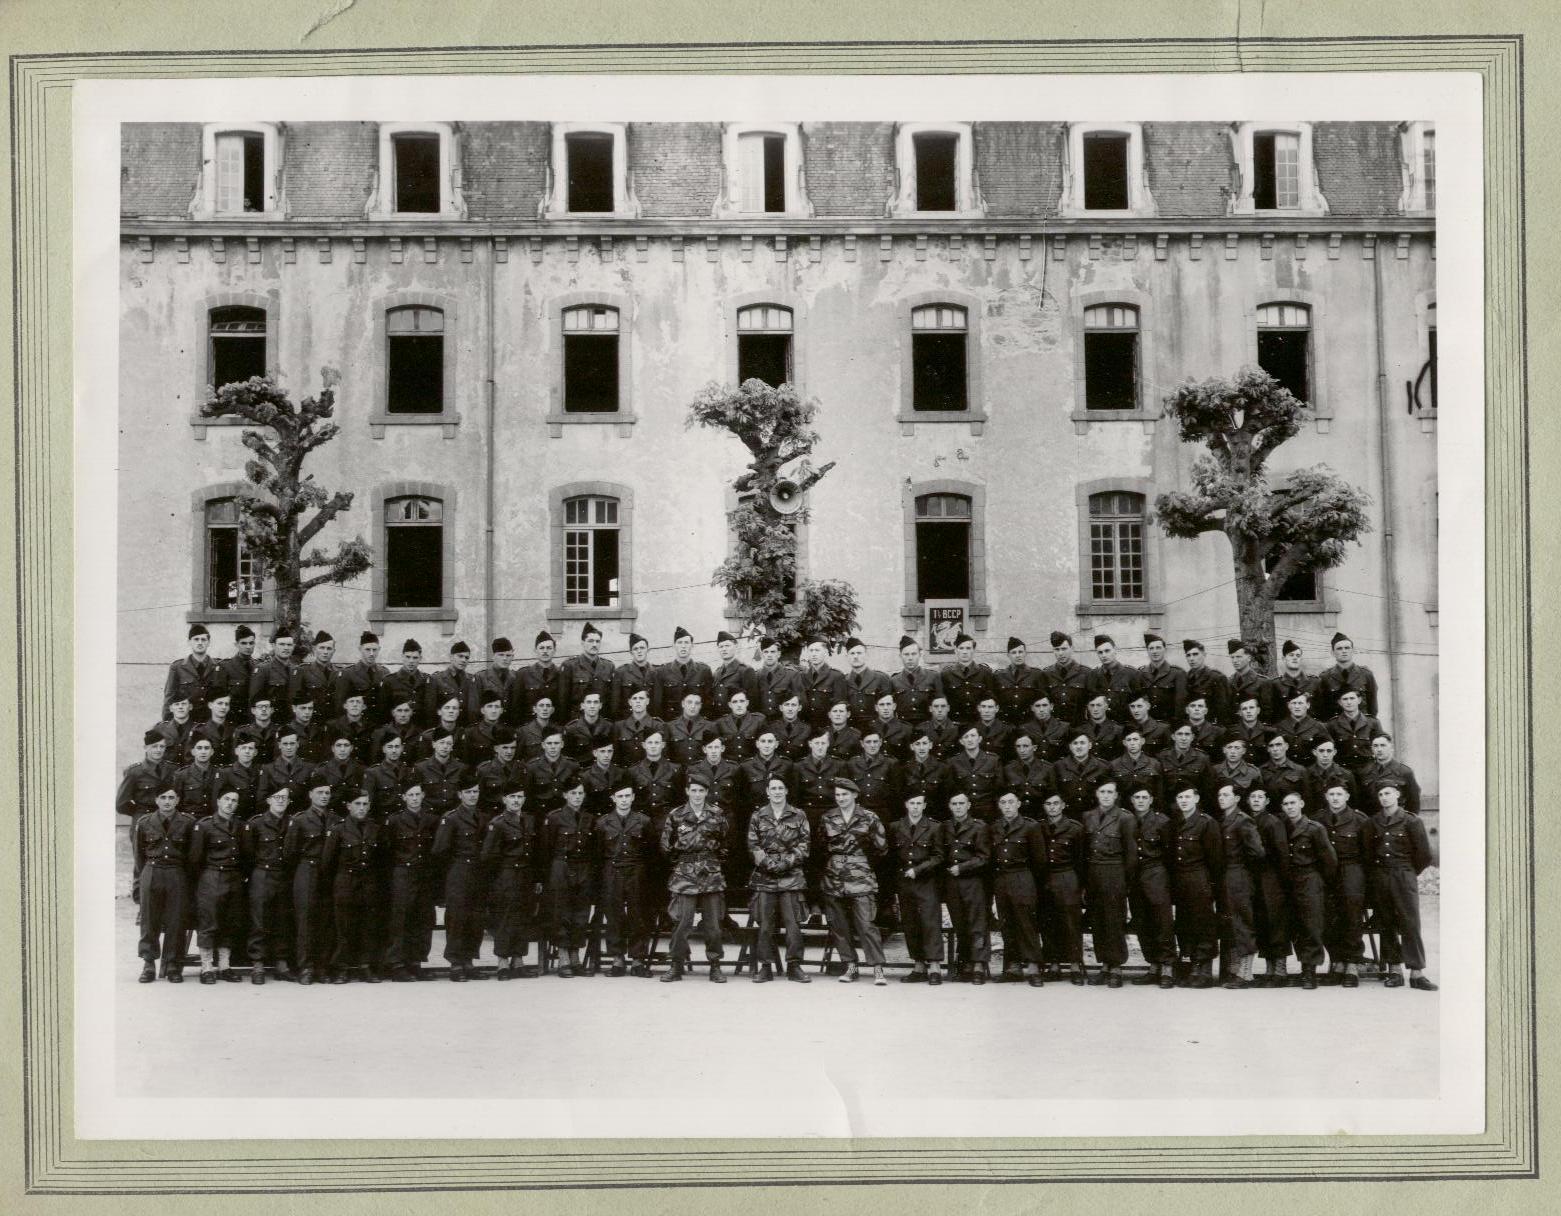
pixel 764 974
pixel 796 974
pixel 674 974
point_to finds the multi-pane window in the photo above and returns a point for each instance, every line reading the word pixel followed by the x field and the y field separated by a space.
pixel 943 547
pixel 938 358
pixel 591 547
pixel 764 344
pixel 241 161
pixel 1276 167
pixel 414 552
pixel 414 360
pixel 761 158
pixel 1284 346
pixel 1116 546
pixel 589 155
pixel 1105 171
pixel 590 359
pixel 236 344
pixel 416 171
pixel 234 578
pixel 1111 357
pixel 1428 167
pixel 937 156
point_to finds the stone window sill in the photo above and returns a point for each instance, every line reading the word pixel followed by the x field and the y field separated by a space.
pixel 911 419
pixel 1082 419
pixel 379 421
pixel 557 421
pixel 445 618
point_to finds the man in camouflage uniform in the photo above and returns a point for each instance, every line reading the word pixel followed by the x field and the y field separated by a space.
pixel 778 841
pixel 849 837
pixel 694 837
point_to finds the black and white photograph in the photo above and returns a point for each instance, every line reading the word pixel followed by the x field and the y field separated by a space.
pixel 970 547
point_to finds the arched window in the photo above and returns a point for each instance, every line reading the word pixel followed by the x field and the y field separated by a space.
pixel 764 334
pixel 234 578
pixel 590 359
pixel 236 344
pixel 1116 547
pixel 1111 357
pixel 939 358
pixel 414 360
pixel 1284 346
pixel 414 552
pixel 591 552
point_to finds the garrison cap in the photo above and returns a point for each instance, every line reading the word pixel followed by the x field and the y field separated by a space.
pixel 906 640
pixel 460 648
pixel 1289 648
pixel 1339 637
pixel 1191 644
pixel 1059 638
pixel 153 735
pixel 321 636
pixel 588 629
pixel 680 633
pixel 1234 646
pixel 500 646
pixel 197 630
pixel 1014 643
pixel 283 632
pixel 1151 638
pixel 243 633
pixel 636 640
pixel 411 645
pixel 962 638
pixel 724 636
pixel 368 638
pixel 543 636
pixel 768 644
pixel 853 643
pixel 1102 638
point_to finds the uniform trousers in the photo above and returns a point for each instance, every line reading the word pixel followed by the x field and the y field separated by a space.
pixel 1153 919
pixel 1197 929
pixel 966 897
pixel 772 909
pixel 1347 914
pixel 921 916
pixel 569 903
pixel 1272 913
pixel 1108 912
pixel 627 910
pixel 270 916
pixel 1308 918
pixel 1063 923
pixel 165 900
pixel 1237 932
pixel 851 921
pixel 711 907
pixel 313 932
pixel 219 909
pixel 512 900
pixel 1017 913
pixel 1398 915
pixel 355 904
pixel 409 922
pixel 463 907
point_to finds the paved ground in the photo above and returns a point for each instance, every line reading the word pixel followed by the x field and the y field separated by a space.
pixel 626 1039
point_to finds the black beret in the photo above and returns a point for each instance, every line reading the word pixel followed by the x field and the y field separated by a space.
pixel 460 648
pixel 853 643
pixel 624 782
pixel 490 697
pixel 245 734
pixel 503 734
pixel 1289 648
pixel 411 644
pixel 515 785
pixel 469 782
pixel 152 736
pixel 962 638
pixel 1059 638
pixel 499 646
pixel 197 630
pixel 696 779
pixel 845 783
pixel 441 733
pixel 243 633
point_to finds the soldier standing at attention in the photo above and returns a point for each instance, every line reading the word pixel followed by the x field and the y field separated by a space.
pixel 303 850
pixel 1078 774
pixel 1067 680
pixel 767 763
pixel 1135 767
pixel 1324 771
pixel 1156 734
pixel 1353 837
pixel 1302 731
pixel 453 682
pixel 775 682
pixel 273 678
pixel 822 686
pixel 739 728
pixel 1018 849
pixel 384 782
pixel 675 680
pixel 588 672
pixel 1243 854
pixel 447 719
pixel 270 903
pixel 864 686
pixel 414 886
pixel 441 775
pixel 407 683
pixel 688 733
pixel 1207 736
pixel 1149 898
pixel 316 677
pixel 965 682
pixel 1048 732
pixel 629 732
pixel 1182 762
pixel 845 741
pixel 1346 673
pixel 1249 726
pixel 544 678
pixel 179 730
pixel 138 788
pixel 354 849
pixel 591 730
pixel 1118 683
pixel 1270 904
pixel 497 682
pixel 511 853
pixel 731 675
pixel 1353 732
pixel 529 737
pixel 916 843
pixel 923 773
pixel 778 840
pixel 1384 769
pixel 1028 776
pixel 816 776
pixel 1111 847
pixel 792 733
pixel 914 686
pixel 1062 931
pixel 1017 685
pixel 313 746
pixel 637 675
pixel 1403 850
pixel 943 730
pixel 694 839
pixel 1204 681
pixel 968 851
pixel 976 774
pixel 197 781
pixel 265 729
pixel 1281 775
pixel 233 673
pixel 1163 683
pixel 1197 861
pixel 1291 679
pixel 996 735
pixel 1247 681
pixel 1105 734
pixel 160 844
pixel 192 678
pixel 219 728
pixel 216 858
pixel 1308 867
pixel 626 843
pixel 569 846
pixel 850 836
pixel 1234 770
pixel 896 735
pixel 458 849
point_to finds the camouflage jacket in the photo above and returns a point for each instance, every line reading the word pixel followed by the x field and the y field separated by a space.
pixel 778 847
pixel 848 869
pixel 696 847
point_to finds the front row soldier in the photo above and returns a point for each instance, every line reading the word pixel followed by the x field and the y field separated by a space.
pixel 351 861
pixel 1111 847
pixel 695 838
pixel 414 886
pixel 1063 922
pixel 778 841
pixel 216 847
pixel 1149 898
pixel 458 848
pixel 1403 850
pixel 1197 859
pixel 161 846
pixel 270 894
pixel 1308 866
pixel 916 843
pixel 567 843
pixel 850 837
pixel 1017 851
pixel 303 851
pixel 511 854
pixel 967 852
pixel 626 840
pixel 1244 857
pixel 1353 836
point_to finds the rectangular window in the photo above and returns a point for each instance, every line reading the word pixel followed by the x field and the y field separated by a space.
pixel 1111 357
pixel 1428 167
pixel 233 577
pixel 1299 587
pixel 1431 343
pixel 416 172
pixel 938 359
pixel 414 374
pixel 590 171
pixel 943 547
pixel 237 344
pixel 762 172
pixel 591 553
pixel 590 360
pixel 1284 346
pixel 936 158
pixel 1276 167
pixel 241 158
pixel 1105 172
pixel 764 344
pixel 414 553
pixel 1116 546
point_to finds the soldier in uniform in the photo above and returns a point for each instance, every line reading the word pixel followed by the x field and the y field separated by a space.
pixel 967 852
pixel 976 774
pixel 1270 905
pixel 197 781
pixel 739 728
pixel 1047 731
pixel 1062 923
pixel 1353 837
pixel 1308 868
pixel 759 769
pixel 1067 680
pixel 816 776
pixel 864 686
pixel 1249 725
pixel 626 842
pixel 1163 683
pixel 215 859
pixel 1247 680
pixel 243 774
pixel 354 725
pixel 407 685
pixel 778 840
pixel 850 837
pixel 725 782
pixel 138 788
pixel 629 732
pixel 916 846
pixel 1028 776
pixel 1384 769
pixel 1234 770
pixel 549 775
pixel 775 682
pixel 316 677
pixel 192 677
pixel 1111 850
pixel 365 678
pixel 1204 681
pixel 313 746
pixel 731 675
pixel 1244 853
pixel 924 774
pixel 941 727
pixel 658 781
pixel 688 733
pixel 683 675
pixel 512 857
pixel 233 673
pixel 822 686
pixel 354 851
pixel 218 728
pixel 453 683
pixel 845 741
pixel 896 734
pixel 914 686
pixel 458 851
pixel 1017 685
pixel 792 732
pixel 1197 864
pixel 694 838
pixel 414 886
pixel 1291 679
pixel 568 844
pixel 1182 762
pixel 1118 682
pixel 343 771
pixel 1156 734
pixel 966 683
pixel 1325 771
pixel 588 672
pixel 1346 673
pixel 273 677
pixel 529 737
pixel 589 731
pixel 876 777
pixel 1353 731
pixel 1207 736
pixel 1281 775
pixel 1078 774
pixel 270 887
pixel 303 852
pixel 544 678
pixel 1105 733
pixel 498 774
pixel 1302 731
pixel 179 730
pixel 637 675
pixel 441 774
pixel 1136 767
pixel 386 780
pixel 498 681
pixel 160 845
pixel 1402 851
pixel 1018 850
pixel 264 728
pixel 1149 898
pixel 996 735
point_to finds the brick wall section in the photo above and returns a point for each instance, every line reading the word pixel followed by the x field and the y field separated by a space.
pixel 1189 167
pixel 1358 166
pixel 1019 167
pixel 504 168
pixel 159 167
pixel 676 167
pixel 849 167
pixel 329 168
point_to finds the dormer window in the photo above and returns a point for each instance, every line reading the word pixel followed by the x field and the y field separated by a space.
pixel 763 165
pixel 589 171
pixel 937 171
pixel 1274 162
pixel 1418 165
pixel 1103 173
pixel 239 167
pixel 419 172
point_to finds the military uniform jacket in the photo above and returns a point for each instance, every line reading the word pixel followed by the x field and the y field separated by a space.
pixel 966 688
pixel 360 731
pixel 1016 689
pixel 1254 734
pixel 625 842
pixel 1243 842
pixel 313 746
pixel 384 784
pixel 511 843
pixel 629 679
pixel 756 774
pixel 658 787
pixel 674 681
pixel 494 775
pixel 1119 683
pixel 247 782
pixel 1308 849
pixel 265 741
pixel 1208 738
pixel 343 775
pixel 1111 836
pixel 1353 836
pixel 1068 686
pixel 997 738
pixel 816 781
pixel 409 837
pixel 192 678
pixel 545 783
pixel 459 838
pixel 848 846
pixel 453 683
pixel 629 735
pixel 441 782
pixel 599 786
pixel 1064 843
pixel 686 739
pixel 423 746
pixel 537 681
pixel 779 848
pixel 180 736
pixel 914 693
pixel 1214 687
pixel 791 737
pixel 1353 736
pixel 582 737
pixel 263 842
pixel 877 779
pixel 696 846
pixel 354 847
pixel 1197 841
pixel 967 843
pixel 944 736
pixel 402 685
pixel 978 779
pixel 774 686
pixel 1166 687
pixel 232 677
pixel 1145 770
pixel 917 846
pixel 1154 838
pixel 1303 735
pixel 305 839
pixel 164 843
pixel 1179 768
pixel 528 739
pixel 896 736
pixel 1032 781
pixel 1399 841
pixel 863 690
pixel 1319 779
pixel 1282 779
pixel 1105 737
pixel 500 681
pixel 1243 777
pixel 1050 736
pixel 1076 782
pixel 740 735
pixel 930 780
pixel 219 735
pixel 1336 679
pixel 217 844
pixel 1017 844
pixel 273 678
pixel 1271 828
pixel 845 743
pixel 1376 774
pixel 586 675
pixel 1286 684
pixel 725 781
pixel 139 787
pixel 822 687
pixel 1251 683
pixel 568 837
pixel 730 677
pixel 318 681
pixel 365 680
pixel 1157 735
pixel 197 789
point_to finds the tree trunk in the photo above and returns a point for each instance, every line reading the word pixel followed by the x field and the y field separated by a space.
pixel 1255 609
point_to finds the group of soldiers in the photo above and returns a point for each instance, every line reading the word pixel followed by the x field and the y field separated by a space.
pixel 310 818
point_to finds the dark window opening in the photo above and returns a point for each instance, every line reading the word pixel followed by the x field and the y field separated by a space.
pixel 233 578
pixel 604 569
pixel 775 173
pixel 590 373
pixel 938 371
pixel 942 561
pixel 221 566
pixel 238 344
pixel 1283 354
pixel 417 172
pixel 764 357
pixel 590 171
pixel 1105 173
pixel 1431 337
pixel 414 558
pixel 1299 587
pixel 1111 371
pixel 414 372
pixel 935 182
pixel 254 173
pixel 1264 179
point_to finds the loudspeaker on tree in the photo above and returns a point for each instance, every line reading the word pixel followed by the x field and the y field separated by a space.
pixel 785 497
